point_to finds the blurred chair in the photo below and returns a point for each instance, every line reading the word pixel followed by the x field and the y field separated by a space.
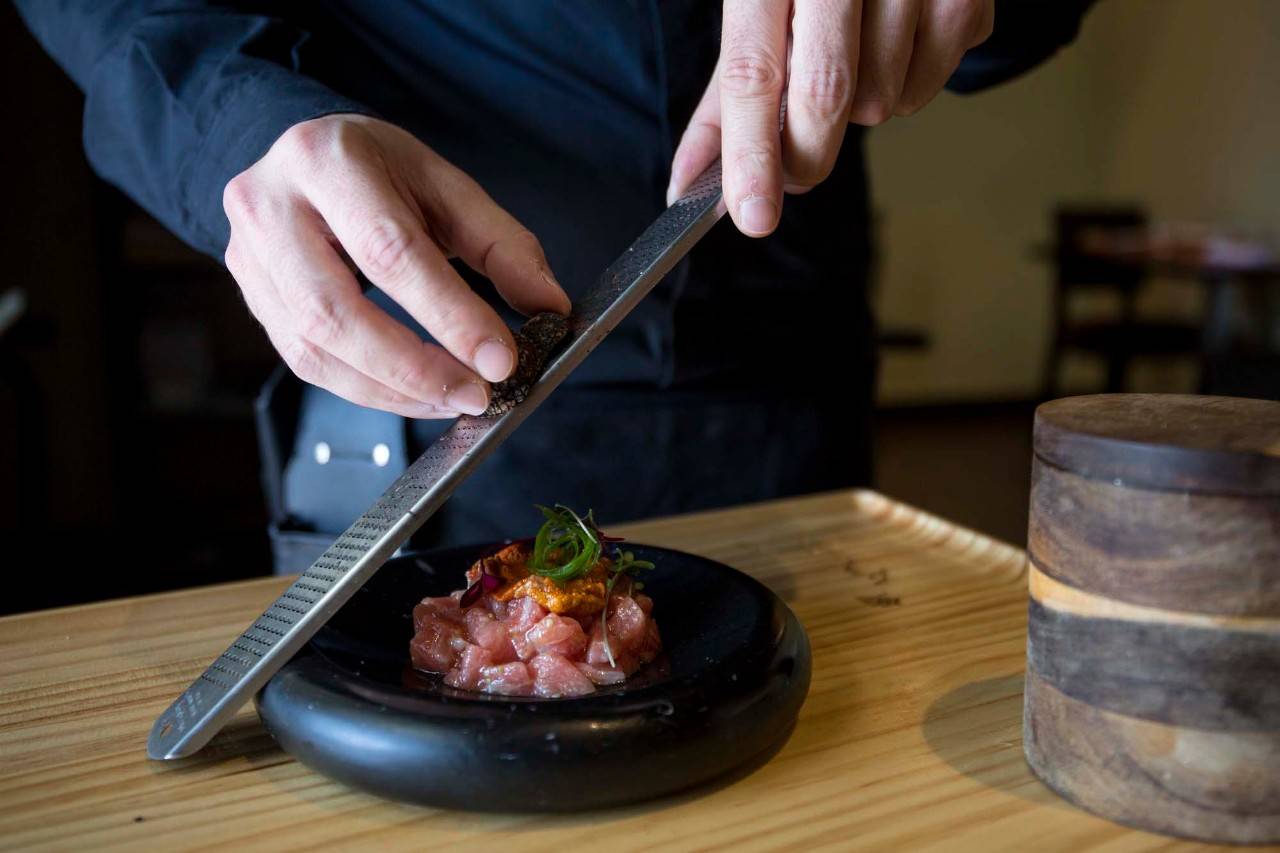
pixel 1125 335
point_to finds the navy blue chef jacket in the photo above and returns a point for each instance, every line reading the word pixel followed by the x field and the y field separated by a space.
pixel 746 375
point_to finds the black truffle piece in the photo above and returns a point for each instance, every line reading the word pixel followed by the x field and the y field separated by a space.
pixel 535 341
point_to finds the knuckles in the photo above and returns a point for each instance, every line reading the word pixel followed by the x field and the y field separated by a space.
pixel 304 359
pixel 410 375
pixel 383 249
pixel 239 198
pixel 312 146
pixel 754 159
pixel 231 259
pixel 319 318
pixel 749 72
pixel 306 143
pixel 824 92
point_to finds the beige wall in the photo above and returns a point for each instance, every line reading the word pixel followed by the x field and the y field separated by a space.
pixel 1172 103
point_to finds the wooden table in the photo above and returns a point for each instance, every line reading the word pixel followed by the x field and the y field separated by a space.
pixel 910 736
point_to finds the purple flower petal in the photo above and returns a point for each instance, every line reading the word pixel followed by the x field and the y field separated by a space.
pixel 473 593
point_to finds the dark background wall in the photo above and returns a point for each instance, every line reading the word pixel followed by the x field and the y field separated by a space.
pixel 127 456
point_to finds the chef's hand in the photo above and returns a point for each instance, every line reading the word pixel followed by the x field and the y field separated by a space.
pixel 346 190
pixel 859 61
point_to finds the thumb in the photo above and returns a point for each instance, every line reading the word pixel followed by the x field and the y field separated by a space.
pixel 699 145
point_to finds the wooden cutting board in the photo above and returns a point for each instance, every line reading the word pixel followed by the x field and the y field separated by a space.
pixel 911 736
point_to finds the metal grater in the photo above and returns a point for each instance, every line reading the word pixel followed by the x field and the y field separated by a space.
pixel 277 635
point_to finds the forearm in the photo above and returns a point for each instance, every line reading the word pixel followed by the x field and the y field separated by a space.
pixel 180 97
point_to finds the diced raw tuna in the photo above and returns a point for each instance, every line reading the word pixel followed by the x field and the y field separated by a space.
pixel 445 607
pixel 595 647
pixel 517 648
pixel 602 675
pixel 489 633
pixel 496 607
pixel 474 617
pixel 523 614
pixel 436 647
pixel 561 635
pixel 508 679
pixel 623 658
pixel 466 674
pixel 555 676
pixel 626 622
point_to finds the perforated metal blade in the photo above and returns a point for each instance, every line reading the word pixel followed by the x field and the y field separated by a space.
pixel 257 654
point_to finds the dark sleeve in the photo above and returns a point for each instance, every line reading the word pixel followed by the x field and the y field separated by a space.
pixel 1026 33
pixel 180 96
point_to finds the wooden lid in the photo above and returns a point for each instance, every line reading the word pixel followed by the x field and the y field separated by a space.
pixel 1174 442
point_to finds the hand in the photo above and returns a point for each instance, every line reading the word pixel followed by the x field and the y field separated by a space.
pixel 836 61
pixel 345 189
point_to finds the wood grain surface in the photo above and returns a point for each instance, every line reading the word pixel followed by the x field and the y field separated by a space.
pixel 1192 782
pixel 911 736
pixel 1173 442
pixel 1199 553
pixel 1210 679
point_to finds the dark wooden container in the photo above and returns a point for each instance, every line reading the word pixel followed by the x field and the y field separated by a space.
pixel 1153 646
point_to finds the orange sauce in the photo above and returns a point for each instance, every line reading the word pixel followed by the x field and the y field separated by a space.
pixel 582 596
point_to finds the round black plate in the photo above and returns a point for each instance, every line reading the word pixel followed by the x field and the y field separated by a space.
pixel 724 695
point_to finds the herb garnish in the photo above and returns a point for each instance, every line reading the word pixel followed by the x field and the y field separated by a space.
pixel 567 545
pixel 625 564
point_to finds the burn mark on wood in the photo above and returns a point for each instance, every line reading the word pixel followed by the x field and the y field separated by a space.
pixel 1218 680
pixel 1150 775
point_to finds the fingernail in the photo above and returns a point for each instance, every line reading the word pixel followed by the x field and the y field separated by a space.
pixel 426 411
pixel 469 397
pixel 758 215
pixel 671 193
pixel 494 360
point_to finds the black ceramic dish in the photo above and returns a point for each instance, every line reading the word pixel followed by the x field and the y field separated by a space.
pixel 724 696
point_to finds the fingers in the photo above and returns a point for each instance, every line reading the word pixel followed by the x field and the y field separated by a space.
pixel 308 361
pixel 751 77
pixel 824 71
pixel 885 52
pixel 284 256
pixel 389 242
pixel 859 61
pixel 947 28
pixel 347 184
pixel 699 145
pixel 487 238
